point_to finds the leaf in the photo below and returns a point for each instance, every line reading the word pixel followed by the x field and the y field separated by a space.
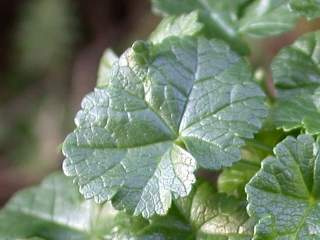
pixel 183 25
pixel 220 18
pixel 229 20
pixel 265 229
pixel 215 216
pixel 130 138
pixel 104 72
pixel 170 227
pixel 308 8
pixel 284 194
pixel 265 18
pixel 204 214
pixel 232 180
pixel 53 210
pixel 296 74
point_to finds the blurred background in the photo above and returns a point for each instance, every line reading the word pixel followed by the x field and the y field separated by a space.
pixel 49 55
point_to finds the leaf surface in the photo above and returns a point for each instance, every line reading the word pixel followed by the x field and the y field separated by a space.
pixel 167 107
pixel 204 214
pixel 231 19
pixel 232 180
pixel 296 74
pixel 265 18
pixel 53 210
pixel 220 18
pixel 284 194
pixel 215 215
pixel 183 25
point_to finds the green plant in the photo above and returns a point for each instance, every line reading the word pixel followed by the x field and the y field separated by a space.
pixel 180 102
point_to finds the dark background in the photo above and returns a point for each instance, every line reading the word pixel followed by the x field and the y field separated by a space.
pixel 49 55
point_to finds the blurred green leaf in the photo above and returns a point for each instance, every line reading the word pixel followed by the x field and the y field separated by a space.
pixel 53 210
pixel 265 18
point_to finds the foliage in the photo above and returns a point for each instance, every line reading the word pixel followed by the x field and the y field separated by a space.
pixel 179 103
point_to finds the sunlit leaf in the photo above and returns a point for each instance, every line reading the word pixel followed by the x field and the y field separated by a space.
pixel 167 108
pixel 284 194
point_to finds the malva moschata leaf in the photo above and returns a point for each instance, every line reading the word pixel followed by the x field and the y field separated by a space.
pixel 284 194
pixel 168 107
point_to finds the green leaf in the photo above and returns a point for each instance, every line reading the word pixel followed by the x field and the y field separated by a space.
pixel 233 180
pixel 215 216
pixel 170 227
pixel 265 18
pixel 167 106
pixel 284 194
pixel 202 215
pixel 296 74
pixel 183 25
pixel 220 18
pixel 265 229
pixel 308 8
pixel 230 19
pixel 53 210
pixel 104 72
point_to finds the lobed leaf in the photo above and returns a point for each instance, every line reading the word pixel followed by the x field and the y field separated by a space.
pixel 284 194
pixel 167 107
pixel 296 74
